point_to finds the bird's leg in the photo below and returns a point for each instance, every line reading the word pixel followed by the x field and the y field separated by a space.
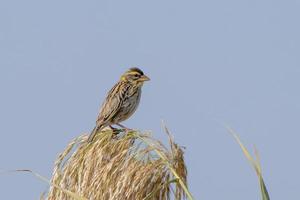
pixel 124 127
pixel 115 130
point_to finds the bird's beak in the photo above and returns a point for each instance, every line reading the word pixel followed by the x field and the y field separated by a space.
pixel 144 78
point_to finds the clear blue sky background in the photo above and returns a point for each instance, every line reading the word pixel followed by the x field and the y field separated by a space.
pixel 209 61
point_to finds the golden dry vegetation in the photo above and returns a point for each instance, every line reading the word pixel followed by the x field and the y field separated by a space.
pixel 131 166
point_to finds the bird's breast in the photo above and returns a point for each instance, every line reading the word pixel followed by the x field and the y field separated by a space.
pixel 129 105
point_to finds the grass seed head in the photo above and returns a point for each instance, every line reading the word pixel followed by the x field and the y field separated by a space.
pixel 119 167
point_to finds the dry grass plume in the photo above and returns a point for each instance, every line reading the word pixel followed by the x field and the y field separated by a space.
pixel 131 166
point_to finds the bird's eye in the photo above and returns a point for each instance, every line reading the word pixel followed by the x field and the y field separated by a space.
pixel 136 75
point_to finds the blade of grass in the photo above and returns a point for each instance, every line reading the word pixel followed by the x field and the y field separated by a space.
pixel 71 194
pixel 255 164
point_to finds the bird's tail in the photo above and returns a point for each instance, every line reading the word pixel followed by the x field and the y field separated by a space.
pixel 94 133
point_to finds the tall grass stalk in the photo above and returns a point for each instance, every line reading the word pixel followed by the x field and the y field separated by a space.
pixel 255 162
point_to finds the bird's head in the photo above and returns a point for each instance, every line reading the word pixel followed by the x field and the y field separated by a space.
pixel 135 76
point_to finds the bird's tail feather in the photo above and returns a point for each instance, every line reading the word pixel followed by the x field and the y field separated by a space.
pixel 94 133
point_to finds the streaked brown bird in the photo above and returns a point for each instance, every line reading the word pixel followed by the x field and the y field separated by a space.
pixel 121 101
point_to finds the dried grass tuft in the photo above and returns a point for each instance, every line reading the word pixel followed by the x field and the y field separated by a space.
pixel 132 166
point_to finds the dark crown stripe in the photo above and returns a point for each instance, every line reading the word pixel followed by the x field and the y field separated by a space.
pixel 135 69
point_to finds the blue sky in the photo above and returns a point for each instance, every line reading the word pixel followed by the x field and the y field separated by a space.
pixel 210 62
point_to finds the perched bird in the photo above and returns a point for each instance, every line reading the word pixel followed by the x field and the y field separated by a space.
pixel 121 101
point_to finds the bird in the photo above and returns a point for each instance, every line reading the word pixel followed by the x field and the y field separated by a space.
pixel 121 101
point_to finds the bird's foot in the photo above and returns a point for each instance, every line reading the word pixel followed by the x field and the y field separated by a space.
pixel 127 130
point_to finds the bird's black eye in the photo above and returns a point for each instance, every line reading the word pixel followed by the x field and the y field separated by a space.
pixel 136 75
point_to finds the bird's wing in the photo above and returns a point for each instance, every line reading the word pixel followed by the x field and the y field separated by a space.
pixel 112 104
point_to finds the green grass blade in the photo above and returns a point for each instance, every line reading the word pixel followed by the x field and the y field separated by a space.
pixel 255 164
pixel 263 189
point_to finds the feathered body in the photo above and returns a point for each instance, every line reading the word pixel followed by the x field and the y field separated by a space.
pixel 121 101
